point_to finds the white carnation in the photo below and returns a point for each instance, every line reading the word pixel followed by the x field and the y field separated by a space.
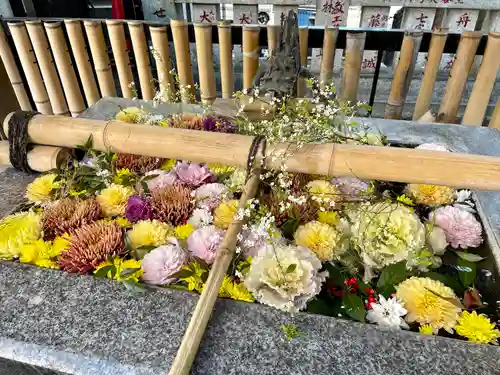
pixel 436 239
pixel 200 218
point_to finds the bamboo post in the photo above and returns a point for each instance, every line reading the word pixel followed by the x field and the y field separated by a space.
pixel 116 32
pixel 272 37
pixel 100 58
pixel 403 74
pixel 197 325
pixel 161 53
pixel 485 80
pixel 40 158
pixel 79 49
pixel 226 59
pixel 141 53
pixel 65 67
pixel 355 45
pixel 365 162
pixel 183 59
pixel 495 117
pixel 303 42
pixel 329 42
pixel 203 35
pixel 250 54
pixel 30 67
pixel 431 70
pixel 47 67
pixel 458 77
pixel 13 73
pixel 428 117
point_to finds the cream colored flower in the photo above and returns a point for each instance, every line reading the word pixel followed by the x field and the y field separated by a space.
pixel 431 195
pixel 322 239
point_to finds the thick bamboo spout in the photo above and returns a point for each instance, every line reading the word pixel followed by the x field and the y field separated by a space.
pixel 364 162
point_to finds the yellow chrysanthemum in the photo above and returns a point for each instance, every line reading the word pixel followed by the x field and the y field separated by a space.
pixel 323 191
pixel 429 302
pixel 328 217
pixel 122 176
pixel 148 233
pixel 16 231
pixel 477 328
pixel 113 199
pixel 224 214
pixel 120 266
pixel 131 115
pixel 431 195
pixel 123 222
pixel 168 164
pixel 236 291
pixel 43 253
pixel 40 190
pixel 182 232
pixel 320 238
pixel 220 169
pixel 426 329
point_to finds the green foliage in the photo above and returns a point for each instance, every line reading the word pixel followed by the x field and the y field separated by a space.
pixel 354 306
pixel 473 258
pixel 290 331
pixel 447 280
pixel 103 272
pixel 466 272
pixel 390 277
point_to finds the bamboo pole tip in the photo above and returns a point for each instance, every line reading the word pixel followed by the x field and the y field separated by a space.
pixel 6 123
pixel 71 21
pixel 33 22
pixel 224 24
pixel 252 28
pixel 134 23
pixel 114 22
pixel 52 24
pixel 92 23
pixel 198 25
pixel 356 35
pixel 178 23
pixel 494 34
pixel 15 24
pixel 157 29
pixel 414 33
pixel 441 31
pixel 471 34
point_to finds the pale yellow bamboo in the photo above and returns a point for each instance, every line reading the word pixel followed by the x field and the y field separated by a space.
pixel 403 74
pixel 431 70
pixel 197 325
pixel 161 53
pixel 203 35
pixel 141 54
pixel 47 67
pixel 65 68
pixel 428 117
pixel 495 117
pixel 40 158
pixel 100 58
pixel 226 60
pixel 272 37
pixel 13 73
pixel 485 80
pixel 116 32
pixel 365 162
pixel 355 44
pixel 326 68
pixel 77 42
pixel 458 77
pixel 250 54
pixel 303 41
pixel 183 59
pixel 30 67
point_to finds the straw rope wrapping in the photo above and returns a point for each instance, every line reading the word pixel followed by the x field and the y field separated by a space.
pixel 18 140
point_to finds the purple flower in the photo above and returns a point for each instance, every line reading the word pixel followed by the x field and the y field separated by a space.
pixel 162 179
pixel 210 195
pixel 163 262
pixel 218 124
pixel 192 174
pixel 352 187
pixel 204 242
pixel 137 209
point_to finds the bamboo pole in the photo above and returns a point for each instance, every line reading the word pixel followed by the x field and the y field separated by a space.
pixel 161 53
pixel 428 117
pixel 203 35
pixel 272 37
pixel 495 117
pixel 250 54
pixel 183 59
pixel 466 52
pixel 328 57
pixel 65 68
pixel 355 45
pixel 40 158
pixel 13 73
pixel 47 67
pixel 365 162
pixel 100 58
pixel 226 59
pixel 116 32
pixel 403 74
pixel 197 325
pixel 30 67
pixel 431 70
pixel 141 54
pixel 485 80
pixel 303 41
pixel 79 49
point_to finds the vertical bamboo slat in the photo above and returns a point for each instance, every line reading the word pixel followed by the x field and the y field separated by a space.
pixel 329 42
pixel 431 70
pixel 100 57
pixel 250 54
pixel 458 77
pixel 183 59
pixel 47 67
pixel 141 54
pixel 65 67
pixel 79 49
pixel 116 32
pixel 495 117
pixel 13 73
pixel 161 53
pixel 226 60
pixel 303 42
pixel 203 35
pixel 272 37
pixel 355 44
pixel 485 80
pixel 30 67
pixel 403 74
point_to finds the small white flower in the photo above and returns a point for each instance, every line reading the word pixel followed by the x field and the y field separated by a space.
pixel 464 201
pixel 200 218
pixel 388 313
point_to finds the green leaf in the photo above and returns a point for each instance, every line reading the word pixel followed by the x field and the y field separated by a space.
pixel 466 272
pixel 320 307
pixel 128 244
pixel 335 274
pixel 103 272
pixel 390 277
pixel 363 286
pixel 128 272
pixel 182 274
pixel 454 301
pixel 290 227
pixel 447 280
pixel 145 187
pixel 291 268
pixel 141 252
pixel 133 286
pixel 354 306
pixel 469 256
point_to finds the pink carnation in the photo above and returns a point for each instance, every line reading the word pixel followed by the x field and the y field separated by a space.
pixel 162 179
pixel 192 174
pixel 461 227
pixel 431 147
pixel 210 195
pixel 204 242
pixel 164 261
